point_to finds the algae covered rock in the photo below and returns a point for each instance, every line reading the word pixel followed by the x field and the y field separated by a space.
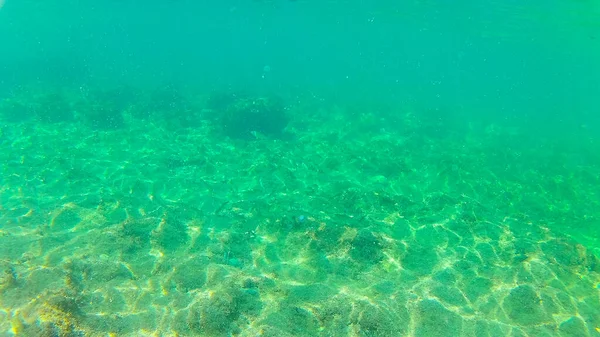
pixel 14 111
pixel 243 116
pixel 105 108
pixel 53 107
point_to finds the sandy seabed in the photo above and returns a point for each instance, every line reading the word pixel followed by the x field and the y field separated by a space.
pixel 344 228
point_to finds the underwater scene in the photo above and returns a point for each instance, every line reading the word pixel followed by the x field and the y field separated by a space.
pixel 419 168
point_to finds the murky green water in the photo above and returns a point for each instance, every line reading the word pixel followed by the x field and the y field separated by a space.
pixel 299 168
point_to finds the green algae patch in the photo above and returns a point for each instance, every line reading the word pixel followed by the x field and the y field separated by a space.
pixel 434 320
pixel 525 307
pixel 420 260
pixel 573 326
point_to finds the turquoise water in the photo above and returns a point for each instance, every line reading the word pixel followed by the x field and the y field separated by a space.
pixel 299 168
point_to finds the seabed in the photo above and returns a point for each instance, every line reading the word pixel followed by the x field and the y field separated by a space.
pixel 382 224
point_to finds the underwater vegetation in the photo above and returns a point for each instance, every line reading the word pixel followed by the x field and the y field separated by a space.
pixel 53 107
pixel 15 111
pixel 104 109
pixel 167 103
pixel 98 109
pixel 46 107
pixel 349 230
pixel 235 115
pixel 242 115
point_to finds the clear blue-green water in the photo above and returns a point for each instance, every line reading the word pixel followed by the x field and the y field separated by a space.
pixel 299 168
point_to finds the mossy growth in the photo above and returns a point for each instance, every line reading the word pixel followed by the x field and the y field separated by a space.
pixel 172 235
pixel 366 248
pixel 63 312
pixel 168 100
pixel 53 107
pixel 169 104
pixel 8 276
pixel 222 313
pixel 103 109
pixel 243 116
pixel 13 110
pixel 525 307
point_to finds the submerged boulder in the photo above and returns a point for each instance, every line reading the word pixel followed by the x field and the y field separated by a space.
pixel 242 116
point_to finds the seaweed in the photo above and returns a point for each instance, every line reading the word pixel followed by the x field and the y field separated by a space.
pixel 241 116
